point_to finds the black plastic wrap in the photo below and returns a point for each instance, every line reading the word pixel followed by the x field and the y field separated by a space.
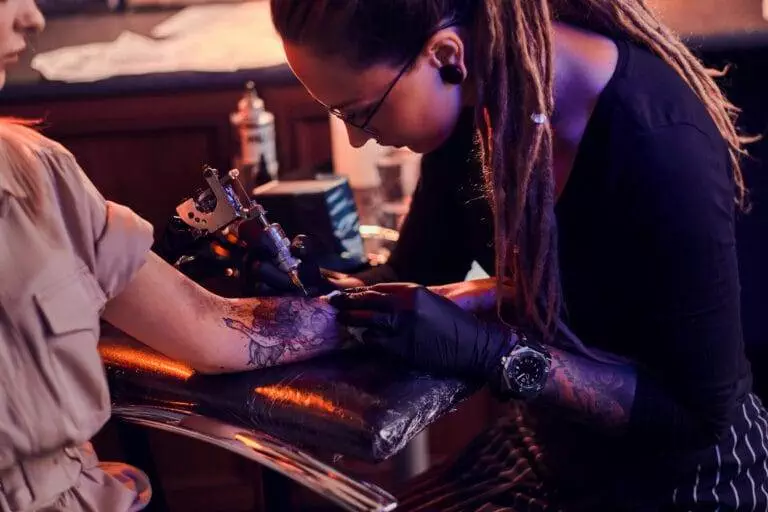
pixel 352 403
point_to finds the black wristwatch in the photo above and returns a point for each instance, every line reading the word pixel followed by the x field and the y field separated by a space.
pixel 524 371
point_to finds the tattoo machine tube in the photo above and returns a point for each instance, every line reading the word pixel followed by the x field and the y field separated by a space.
pixel 281 248
pixel 225 205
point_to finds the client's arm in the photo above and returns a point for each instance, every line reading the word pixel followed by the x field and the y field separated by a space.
pixel 172 314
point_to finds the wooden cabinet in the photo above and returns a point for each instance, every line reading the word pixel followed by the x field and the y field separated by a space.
pixel 146 150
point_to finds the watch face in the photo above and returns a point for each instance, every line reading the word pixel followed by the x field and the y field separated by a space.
pixel 528 371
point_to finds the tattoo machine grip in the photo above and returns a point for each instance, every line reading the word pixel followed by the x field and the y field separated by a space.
pixel 281 248
pixel 225 205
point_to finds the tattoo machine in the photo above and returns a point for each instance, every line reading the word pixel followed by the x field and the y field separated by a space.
pixel 224 206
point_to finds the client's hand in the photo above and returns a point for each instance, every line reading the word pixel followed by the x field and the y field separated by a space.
pixel 267 279
pixel 428 330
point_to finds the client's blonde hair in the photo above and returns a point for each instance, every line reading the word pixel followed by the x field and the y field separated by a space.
pixel 19 163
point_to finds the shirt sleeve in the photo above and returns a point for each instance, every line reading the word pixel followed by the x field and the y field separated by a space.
pixel 111 238
pixel 681 213
pixel 122 248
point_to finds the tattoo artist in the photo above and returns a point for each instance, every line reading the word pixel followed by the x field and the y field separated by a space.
pixel 611 163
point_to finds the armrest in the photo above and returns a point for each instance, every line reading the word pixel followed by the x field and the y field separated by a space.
pixel 356 403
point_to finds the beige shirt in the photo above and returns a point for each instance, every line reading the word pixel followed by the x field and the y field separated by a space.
pixel 56 275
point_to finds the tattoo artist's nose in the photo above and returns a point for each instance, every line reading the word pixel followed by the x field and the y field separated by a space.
pixel 29 19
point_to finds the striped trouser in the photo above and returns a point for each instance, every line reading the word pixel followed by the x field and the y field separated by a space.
pixel 737 478
pixel 500 471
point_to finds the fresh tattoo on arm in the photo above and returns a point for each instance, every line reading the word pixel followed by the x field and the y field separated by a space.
pixel 282 330
pixel 590 392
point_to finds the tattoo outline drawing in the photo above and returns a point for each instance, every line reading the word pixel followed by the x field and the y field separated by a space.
pixel 284 329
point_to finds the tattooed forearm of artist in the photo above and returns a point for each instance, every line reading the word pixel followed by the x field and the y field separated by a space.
pixel 590 392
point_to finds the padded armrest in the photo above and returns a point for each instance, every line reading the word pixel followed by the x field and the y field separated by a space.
pixel 357 403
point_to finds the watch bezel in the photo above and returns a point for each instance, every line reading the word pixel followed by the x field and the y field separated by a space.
pixel 510 382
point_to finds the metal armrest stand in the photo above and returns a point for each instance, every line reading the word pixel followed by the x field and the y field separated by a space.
pixel 264 449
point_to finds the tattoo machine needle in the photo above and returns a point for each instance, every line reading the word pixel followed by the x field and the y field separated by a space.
pixel 281 246
pixel 225 203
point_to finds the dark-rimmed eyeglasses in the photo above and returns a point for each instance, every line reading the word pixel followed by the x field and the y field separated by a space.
pixel 349 119
pixel 375 108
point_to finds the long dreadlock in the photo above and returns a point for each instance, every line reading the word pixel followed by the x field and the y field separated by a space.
pixel 515 78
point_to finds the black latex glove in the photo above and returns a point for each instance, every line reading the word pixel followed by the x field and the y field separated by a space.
pixel 265 278
pixel 427 330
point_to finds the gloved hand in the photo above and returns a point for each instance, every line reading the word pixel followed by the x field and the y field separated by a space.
pixel 427 330
pixel 266 279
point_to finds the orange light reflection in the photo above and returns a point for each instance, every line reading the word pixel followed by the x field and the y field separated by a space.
pixel 300 398
pixel 276 458
pixel 134 358
pixel 247 441
pixel 307 400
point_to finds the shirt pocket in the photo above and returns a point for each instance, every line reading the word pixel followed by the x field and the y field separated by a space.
pixel 70 310
pixel 70 305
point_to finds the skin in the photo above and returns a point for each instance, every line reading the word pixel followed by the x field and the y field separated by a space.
pixel 406 118
pixel 421 112
pixel 172 314
pixel 18 19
